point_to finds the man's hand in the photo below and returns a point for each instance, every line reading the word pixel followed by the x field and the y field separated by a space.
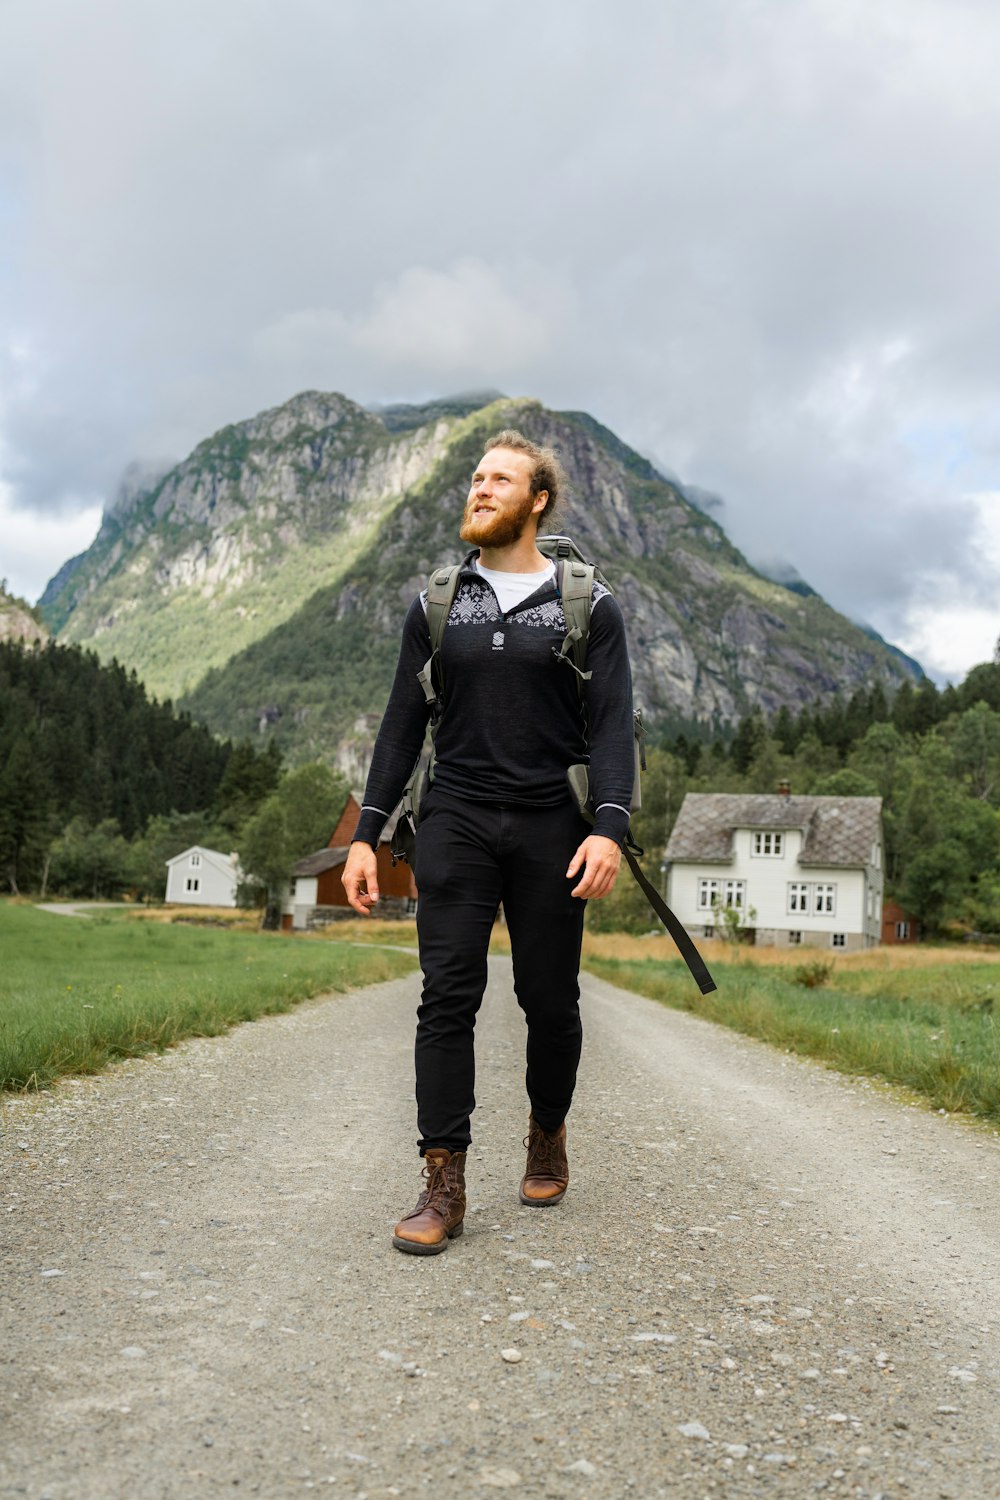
pixel 602 857
pixel 360 878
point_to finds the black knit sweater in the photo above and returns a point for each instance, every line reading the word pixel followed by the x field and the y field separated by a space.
pixel 511 718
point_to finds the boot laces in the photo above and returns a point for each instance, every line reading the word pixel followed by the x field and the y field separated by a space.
pixel 544 1153
pixel 441 1185
pixel 438 1186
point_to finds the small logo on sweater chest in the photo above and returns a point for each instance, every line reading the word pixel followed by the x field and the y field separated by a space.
pixel 498 640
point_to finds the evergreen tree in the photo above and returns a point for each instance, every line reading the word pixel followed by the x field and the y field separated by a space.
pixel 785 731
pixel 904 714
pixel 81 740
pixel 249 777
pixel 25 805
pixel 750 735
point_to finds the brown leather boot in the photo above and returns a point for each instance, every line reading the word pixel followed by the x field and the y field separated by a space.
pixel 440 1211
pixel 546 1176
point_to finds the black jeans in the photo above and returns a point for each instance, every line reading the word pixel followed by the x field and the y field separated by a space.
pixel 469 858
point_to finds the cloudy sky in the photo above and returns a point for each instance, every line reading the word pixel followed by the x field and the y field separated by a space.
pixel 759 239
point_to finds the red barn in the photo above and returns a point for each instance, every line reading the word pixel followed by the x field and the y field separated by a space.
pixel 316 895
pixel 897 925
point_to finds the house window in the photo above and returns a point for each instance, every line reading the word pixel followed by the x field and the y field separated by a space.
pixel 839 940
pixel 735 891
pixel 410 909
pixel 708 891
pixel 194 861
pixel 795 938
pixel 193 883
pixel 708 930
pixel 798 896
pixel 770 845
pixel 825 900
pixel 902 932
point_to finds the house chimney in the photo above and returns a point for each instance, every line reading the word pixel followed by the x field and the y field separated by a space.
pixel 784 788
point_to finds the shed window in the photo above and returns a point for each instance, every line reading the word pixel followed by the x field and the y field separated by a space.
pixel 902 932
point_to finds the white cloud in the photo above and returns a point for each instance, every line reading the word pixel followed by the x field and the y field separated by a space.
pixel 30 543
pixel 949 626
pixel 427 328
pixel 753 237
pixel 460 321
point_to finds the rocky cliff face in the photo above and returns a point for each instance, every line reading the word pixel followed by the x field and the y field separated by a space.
pixel 17 623
pixel 192 566
pixel 265 577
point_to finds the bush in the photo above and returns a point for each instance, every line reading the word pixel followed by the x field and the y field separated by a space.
pixel 813 976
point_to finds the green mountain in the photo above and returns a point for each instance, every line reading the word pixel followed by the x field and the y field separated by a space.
pixel 263 580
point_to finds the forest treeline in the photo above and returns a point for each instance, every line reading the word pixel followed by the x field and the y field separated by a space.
pixel 932 755
pixel 99 784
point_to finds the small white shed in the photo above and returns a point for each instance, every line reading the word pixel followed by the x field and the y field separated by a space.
pixel 203 877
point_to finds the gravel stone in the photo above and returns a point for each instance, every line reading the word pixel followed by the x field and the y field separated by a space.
pixel 582 1466
pixel 500 1479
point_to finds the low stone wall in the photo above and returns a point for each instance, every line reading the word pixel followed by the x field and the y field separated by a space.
pixel 390 908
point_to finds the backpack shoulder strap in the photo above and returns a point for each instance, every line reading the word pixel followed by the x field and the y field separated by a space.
pixel 576 589
pixel 442 587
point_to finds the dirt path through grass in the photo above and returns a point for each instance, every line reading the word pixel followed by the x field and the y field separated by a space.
pixel 77 908
pixel 766 1279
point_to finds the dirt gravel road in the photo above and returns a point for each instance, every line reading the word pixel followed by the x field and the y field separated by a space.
pixel 765 1280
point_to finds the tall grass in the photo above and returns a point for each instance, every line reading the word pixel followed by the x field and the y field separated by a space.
pixel 78 992
pixel 930 1026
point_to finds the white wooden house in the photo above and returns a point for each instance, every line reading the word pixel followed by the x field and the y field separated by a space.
pixel 203 877
pixel 799 870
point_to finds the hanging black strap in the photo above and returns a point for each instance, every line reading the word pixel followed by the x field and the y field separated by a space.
pixel 677 930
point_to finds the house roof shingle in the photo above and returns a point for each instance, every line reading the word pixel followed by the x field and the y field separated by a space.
pixel 323 859
pixel 835 830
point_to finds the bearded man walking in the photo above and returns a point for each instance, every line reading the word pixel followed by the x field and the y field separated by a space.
pixel 499 823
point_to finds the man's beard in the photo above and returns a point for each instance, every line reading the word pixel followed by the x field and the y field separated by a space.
pixel 499 528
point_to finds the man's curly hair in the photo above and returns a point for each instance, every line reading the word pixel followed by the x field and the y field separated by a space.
pixel 547 472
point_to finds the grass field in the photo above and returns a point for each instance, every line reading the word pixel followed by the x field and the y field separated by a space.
pixel 926 1019
pixel 78 992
